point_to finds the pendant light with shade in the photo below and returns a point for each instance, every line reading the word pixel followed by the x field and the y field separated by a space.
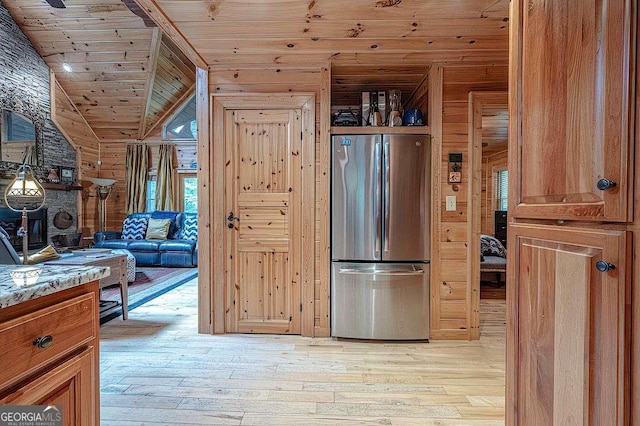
pixel 24 194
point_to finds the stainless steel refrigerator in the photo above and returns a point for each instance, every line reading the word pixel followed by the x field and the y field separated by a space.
pixel 380 237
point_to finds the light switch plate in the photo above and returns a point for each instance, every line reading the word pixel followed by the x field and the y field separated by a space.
pixel 451 203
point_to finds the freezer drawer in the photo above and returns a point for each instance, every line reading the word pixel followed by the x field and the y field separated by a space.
pixel 380 301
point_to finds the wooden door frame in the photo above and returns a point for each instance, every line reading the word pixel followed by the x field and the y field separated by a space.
pixel 477 101
pixel 214 276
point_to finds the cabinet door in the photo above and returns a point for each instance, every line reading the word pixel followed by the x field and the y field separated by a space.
pixel 571 108
pixel 567 340
pixel 69 385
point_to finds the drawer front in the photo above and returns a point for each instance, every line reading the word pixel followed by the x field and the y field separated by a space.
pixel 70 324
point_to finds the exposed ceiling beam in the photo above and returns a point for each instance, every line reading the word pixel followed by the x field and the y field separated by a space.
pixel 133 7
pixel 58 4
pixel 156 42
pixel 159 17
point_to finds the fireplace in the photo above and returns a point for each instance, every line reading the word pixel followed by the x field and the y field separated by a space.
pixel 10 221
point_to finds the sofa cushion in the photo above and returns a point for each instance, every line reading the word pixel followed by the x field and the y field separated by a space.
pixel 177 245
pixel 144 245
pixel 134 227
pixel 189 230
pixel 113 244
pixel 164 214
pixel 157 229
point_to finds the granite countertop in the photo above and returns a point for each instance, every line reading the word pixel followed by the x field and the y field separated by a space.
pixel 19 283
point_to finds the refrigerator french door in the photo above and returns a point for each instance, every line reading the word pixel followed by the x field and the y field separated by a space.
pixel 380 236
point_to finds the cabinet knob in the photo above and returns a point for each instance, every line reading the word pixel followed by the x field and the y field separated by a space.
pixel 603 266
pixel 604 184
pixel 43 342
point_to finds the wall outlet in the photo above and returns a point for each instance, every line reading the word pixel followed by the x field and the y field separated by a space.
pixel 451 203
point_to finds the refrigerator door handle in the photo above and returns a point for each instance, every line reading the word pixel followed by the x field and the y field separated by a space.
pixel 377 198
pixel 387 186
pixel 381 273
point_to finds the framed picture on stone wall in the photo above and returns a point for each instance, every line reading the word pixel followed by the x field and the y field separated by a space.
pixel 67 175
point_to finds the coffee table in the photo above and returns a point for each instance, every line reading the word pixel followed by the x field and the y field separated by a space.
pixel 116 262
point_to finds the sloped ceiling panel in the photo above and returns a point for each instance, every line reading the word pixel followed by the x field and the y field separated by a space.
pixel 174 76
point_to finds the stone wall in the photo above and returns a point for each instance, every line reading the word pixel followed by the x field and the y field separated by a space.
pixel 24 85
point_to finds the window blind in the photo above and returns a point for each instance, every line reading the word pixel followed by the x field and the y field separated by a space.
pixel 502 189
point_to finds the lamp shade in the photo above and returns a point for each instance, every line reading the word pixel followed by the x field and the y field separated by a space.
pixel 24 191
pixel 102 181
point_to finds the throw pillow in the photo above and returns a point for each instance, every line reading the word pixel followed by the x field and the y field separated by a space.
pixel 157 229
pixel 490 246
pixel 189 227
pixel 47 253
pixel 134 228
pixel 163 214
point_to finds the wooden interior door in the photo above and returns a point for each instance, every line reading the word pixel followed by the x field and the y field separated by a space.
pixel 571 107
pixel 568 345
pixel 263 241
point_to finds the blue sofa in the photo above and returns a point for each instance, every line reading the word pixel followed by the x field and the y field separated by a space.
pixel 174 251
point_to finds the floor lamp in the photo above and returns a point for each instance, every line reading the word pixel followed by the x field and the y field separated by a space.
pixel 103 190
pixel 24 194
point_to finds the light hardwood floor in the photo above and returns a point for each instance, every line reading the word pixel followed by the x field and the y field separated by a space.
pixel 156 369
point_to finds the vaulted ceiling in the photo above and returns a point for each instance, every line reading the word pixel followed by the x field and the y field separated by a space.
pixel 114 57
pixel 119 62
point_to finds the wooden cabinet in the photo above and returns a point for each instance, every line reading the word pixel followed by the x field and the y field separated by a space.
pixel 571 102
pixel 49 348
pixel 568 350
pixel 68 385
pixel 572 126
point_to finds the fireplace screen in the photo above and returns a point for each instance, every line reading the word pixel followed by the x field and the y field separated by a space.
pixel 37 228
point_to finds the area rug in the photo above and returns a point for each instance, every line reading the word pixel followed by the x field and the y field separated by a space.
pixel 150 283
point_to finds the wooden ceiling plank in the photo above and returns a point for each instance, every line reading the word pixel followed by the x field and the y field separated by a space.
pixel 329 46
pixel 362 29
pixel 86 36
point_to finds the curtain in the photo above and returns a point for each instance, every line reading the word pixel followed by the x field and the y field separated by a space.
pixel 166 181
pixel 137 168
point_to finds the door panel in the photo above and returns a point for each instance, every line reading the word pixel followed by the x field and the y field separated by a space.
pixel 571 108
pixel 356 227
pixel 568 338
pixel 406 220
pixel 263 238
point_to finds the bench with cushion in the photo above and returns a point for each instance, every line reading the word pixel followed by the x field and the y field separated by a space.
pixel 493 257
pixel 161 238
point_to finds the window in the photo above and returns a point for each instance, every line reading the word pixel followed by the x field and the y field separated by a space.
pixel 151 193
pixel 502 189
pixel 182 126
pixel 189 192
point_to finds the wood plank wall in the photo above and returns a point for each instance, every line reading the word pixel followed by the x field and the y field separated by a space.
pixel 489 163
pixel 451 288
pixel 75 128
pixel 308 80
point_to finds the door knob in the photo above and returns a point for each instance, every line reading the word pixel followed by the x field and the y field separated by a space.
pixel 604 184
pixel 603 266
pixel 230 220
